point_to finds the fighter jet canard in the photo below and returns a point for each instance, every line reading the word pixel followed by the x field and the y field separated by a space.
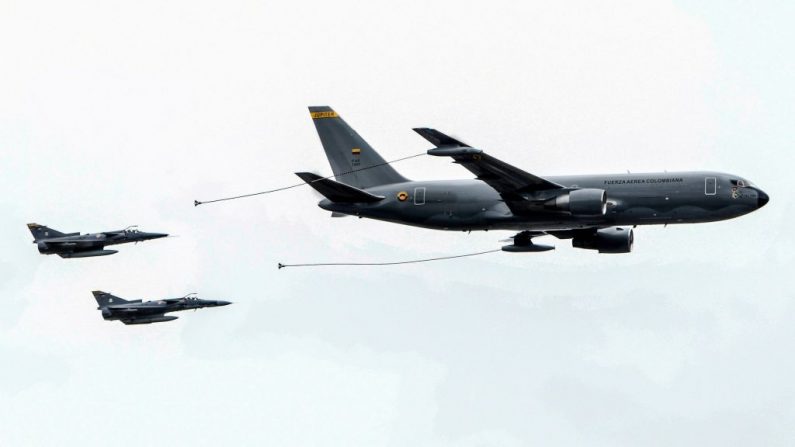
pixel 140 312
pixel 76 245
pixel 593 211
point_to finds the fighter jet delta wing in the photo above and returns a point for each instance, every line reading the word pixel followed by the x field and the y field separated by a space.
pixel 508 180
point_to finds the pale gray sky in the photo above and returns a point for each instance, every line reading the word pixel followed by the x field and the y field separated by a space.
pixel 120 113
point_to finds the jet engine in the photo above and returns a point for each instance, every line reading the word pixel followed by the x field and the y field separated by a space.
pixel 581 202
pixel 606 240
pixel 43 249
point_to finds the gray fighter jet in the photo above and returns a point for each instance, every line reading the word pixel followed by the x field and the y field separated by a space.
pixel 139 312
pixel 591 210
pixel 75 245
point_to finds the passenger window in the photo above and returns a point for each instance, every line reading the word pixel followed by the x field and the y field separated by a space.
pixel 419 196
pixel 710 186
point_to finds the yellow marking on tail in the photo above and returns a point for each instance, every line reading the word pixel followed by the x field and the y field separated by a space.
pixel 318 115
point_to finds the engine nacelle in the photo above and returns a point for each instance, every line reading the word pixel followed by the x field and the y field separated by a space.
pixel 607 240
pixel 581 202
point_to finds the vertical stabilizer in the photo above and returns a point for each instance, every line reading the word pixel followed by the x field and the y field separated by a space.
pixel 42 232
pixel 347 151
pixel 105 299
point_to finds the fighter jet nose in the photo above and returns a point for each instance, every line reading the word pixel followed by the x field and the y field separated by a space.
pixel 762 198
pixel 222 303
pixel 154 235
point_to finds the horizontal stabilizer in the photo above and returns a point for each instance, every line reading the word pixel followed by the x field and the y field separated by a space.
pixel 439 139
pixel 337 192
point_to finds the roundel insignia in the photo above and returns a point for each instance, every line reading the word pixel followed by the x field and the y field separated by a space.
pixel 476 157
pixel 402 196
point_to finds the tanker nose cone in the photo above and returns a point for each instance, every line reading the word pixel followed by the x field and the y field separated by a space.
pixel 762 198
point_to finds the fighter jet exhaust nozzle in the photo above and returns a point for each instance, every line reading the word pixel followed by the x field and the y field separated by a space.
pixel 607 240
pixel 580 202
pixel 43 249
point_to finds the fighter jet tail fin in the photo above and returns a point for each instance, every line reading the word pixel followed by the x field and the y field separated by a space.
pixel 353 161
pixel 106 299
pixel 43 232
pixel 337 192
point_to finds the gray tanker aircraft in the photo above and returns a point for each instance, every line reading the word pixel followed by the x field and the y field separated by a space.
pixel 75 245
pixel 139 312
pixel 591 210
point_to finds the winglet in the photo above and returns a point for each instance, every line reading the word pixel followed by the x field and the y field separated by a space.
pixel 439 139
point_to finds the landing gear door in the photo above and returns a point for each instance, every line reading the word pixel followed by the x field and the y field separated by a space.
pixel 710 186
pixel 419 196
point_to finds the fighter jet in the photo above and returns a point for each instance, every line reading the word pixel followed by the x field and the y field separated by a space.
pixel 139 312
pixel 593 211
pixel 75 245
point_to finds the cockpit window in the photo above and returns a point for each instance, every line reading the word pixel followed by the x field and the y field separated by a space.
pixel 738 182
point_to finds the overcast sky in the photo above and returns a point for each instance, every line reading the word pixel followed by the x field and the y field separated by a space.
pixel 121 113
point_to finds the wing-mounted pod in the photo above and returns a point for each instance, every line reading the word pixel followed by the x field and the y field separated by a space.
pixel 607 240
pixel 523 243
pixel 580 202
pixel 149 320
pixel 87 254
